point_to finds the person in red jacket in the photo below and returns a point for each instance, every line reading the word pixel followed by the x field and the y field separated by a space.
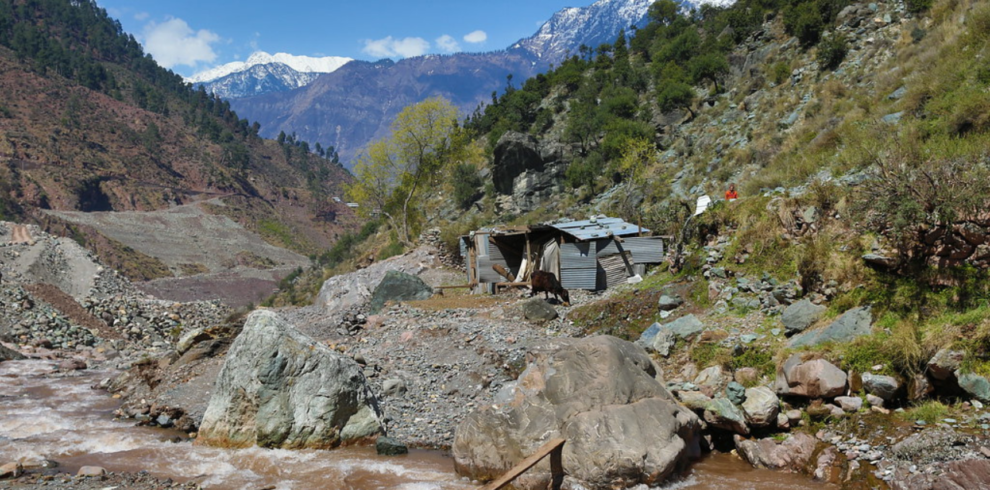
pixel 731 195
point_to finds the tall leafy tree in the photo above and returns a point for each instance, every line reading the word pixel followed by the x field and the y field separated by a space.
pixel 400 172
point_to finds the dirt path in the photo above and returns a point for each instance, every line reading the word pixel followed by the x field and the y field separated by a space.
pixel 20 235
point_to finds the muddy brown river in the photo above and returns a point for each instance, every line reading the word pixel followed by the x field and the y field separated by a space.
pixel 44 416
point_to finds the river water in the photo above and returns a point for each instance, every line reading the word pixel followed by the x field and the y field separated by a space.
pixel 44 416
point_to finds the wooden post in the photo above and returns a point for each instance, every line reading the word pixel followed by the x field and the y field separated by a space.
pixel 554 448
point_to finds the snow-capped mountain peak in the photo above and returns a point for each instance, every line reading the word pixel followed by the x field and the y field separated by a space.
pixel 303 64
pixel 591 26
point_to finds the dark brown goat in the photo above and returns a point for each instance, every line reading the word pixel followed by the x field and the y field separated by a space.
pixel 548 283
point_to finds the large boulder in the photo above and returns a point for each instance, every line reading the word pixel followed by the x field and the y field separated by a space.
pixel 399 286
pixel 344 292
pixel 605 397
pixel 975 385
pixel 279 388
pixel 817 378
pixel 854 323
pixel 799 316
pixel 794 453
pixel 761 406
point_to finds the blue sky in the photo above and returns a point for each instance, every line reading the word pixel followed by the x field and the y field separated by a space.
pixel 190 36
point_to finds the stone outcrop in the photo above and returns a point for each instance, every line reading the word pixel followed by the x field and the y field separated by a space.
pixel 799 316
pixel 398 286
pixel 812 379
pixel 279 388
pixel 601 394
pixel 528 171
pixel 854 323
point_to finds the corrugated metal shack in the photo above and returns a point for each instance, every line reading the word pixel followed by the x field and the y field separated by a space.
pixel 593 254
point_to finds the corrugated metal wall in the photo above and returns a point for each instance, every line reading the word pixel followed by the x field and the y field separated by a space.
pixel 613 270
pixel 492 256
pixel 645 250
pixel 578 266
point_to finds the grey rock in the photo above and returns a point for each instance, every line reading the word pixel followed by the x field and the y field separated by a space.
pixel 721 413
pixel 399 286
pixel 898 94
pixel 977 386
pixel 761 406
pixel 812 379
pixel 270 372
pixel 393 387
pixel 849 403
pixel 667 303
pixel 736 393
pixel 885 387
pixel 880 260
pixel 893 118
pixel 685 327
pixel 944 364
pixel 874 401
pixel 695 400
pixel 387 446
pixel 712 376
pixel 800 315
pixel 599 393
pixel 538 310
pixel 854 323
pixel 8 354
pixel 794 453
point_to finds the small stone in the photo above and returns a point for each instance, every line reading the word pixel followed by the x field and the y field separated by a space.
pixel 387 446
pixel 91 471
pixel 11 470
pixel 874 400
pixel 850 403
pixel 736 393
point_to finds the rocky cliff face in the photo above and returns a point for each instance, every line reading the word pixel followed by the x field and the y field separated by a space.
pixel 279 388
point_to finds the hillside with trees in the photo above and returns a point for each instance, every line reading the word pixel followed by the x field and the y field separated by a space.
pixel 89 122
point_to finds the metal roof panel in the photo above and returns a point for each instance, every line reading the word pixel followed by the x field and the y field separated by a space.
pixel 601 227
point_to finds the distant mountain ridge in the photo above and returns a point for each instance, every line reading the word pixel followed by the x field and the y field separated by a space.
pixel 304 64
pixel 355 104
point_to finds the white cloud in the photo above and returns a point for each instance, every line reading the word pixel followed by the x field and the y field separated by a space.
pixel 448 44
pixel 173 43
pixel 476 37
pixel 141 16
pixel 389 47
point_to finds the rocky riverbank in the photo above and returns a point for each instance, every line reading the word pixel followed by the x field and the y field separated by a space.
pixel 433 364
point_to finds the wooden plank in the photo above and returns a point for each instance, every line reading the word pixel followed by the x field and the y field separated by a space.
pixel 557 469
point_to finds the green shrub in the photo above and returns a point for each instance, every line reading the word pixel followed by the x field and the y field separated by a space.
pixel 832 50
pixel 779 72
pixel 804 22
pixel 467 185
pixel 918 6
